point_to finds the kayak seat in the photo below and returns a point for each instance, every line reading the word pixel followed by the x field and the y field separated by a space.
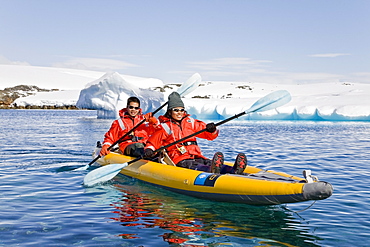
pixel 165 159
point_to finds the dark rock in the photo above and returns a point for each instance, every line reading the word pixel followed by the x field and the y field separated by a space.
pixel 10 94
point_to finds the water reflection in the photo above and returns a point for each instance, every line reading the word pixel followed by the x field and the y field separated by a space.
pixel 190 221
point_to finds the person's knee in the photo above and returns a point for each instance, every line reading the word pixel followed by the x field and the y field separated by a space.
pixel 135 150
pixel 186 164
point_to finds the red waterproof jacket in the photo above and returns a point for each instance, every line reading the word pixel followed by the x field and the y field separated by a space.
pixel 171 131
pixel 124 124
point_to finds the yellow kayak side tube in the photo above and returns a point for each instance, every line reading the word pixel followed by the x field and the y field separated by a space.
pixel 256 186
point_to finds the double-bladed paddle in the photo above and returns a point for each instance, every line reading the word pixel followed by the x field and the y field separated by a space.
pixel 187 87
pixel 270 101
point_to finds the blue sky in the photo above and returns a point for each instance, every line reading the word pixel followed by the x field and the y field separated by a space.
pixel 272 41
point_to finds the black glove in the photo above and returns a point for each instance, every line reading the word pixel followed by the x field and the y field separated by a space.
pixel 211 127
pixel 148 153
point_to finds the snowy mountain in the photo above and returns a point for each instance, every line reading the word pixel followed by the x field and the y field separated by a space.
pixel 211 100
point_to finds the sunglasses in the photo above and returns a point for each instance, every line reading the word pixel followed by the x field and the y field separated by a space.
pixel 133 107
pixel 178 110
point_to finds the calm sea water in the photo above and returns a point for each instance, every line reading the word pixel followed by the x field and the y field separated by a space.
pixel 43 203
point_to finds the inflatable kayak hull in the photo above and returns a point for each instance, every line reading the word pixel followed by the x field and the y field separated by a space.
pixel 254 187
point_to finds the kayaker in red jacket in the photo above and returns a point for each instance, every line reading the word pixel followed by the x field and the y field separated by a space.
pixel 175 125
pixel 133 144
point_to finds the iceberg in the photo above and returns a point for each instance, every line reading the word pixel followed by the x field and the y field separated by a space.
pixel 109 94
pixel 221 100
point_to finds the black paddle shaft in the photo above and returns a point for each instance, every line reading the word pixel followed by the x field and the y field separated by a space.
pixel 127 133
pixel 268 102
pixel 135 127
pixel 186 137
pixel 200 131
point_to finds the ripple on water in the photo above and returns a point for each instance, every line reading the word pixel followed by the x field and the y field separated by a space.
pixel 42 204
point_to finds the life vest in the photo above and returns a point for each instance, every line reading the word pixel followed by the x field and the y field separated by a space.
pixel 124 124
pixel 171 131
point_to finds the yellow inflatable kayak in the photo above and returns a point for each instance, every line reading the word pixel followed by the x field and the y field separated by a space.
pixel 255 186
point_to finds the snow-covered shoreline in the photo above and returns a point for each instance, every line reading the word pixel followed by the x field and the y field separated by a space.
pixel 336 101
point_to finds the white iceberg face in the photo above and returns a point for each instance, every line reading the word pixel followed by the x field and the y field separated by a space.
pixel 109 94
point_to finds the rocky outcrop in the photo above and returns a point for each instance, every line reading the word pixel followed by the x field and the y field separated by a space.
pixel 10 94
